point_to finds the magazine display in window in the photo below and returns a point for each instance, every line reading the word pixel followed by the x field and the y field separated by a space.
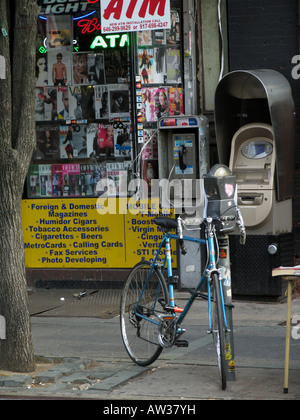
pixel 96 69
pixel 118 96
pixel 173 62
pixel 101 102
pixel 150 172
pixel 80 69
pixel 176 101
pixel 47 140
pixel 71 180
pixel 45 180
pixel 100 179
pixel 122 140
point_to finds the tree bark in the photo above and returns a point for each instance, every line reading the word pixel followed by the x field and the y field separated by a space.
pixel 17 134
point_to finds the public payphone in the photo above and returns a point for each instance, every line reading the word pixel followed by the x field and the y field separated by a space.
pixel 254 117
pixel 183 159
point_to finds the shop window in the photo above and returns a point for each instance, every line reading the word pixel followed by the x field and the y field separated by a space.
pixel 94 128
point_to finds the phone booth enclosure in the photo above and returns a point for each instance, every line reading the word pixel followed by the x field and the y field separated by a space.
pixel 254 110
pixel 183 160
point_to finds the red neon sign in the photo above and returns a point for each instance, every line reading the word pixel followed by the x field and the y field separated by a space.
pixel 89 25
pixel 92 1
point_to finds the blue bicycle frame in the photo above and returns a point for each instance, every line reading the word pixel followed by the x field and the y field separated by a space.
pixel 206 275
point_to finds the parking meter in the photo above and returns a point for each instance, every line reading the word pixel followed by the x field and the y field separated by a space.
pixel 255 130
pixel 220 194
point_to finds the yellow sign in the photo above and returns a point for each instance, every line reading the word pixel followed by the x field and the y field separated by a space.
pixel 81 233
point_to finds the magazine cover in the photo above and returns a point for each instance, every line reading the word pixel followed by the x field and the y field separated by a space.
pixel 162 102
pixel 66 102
pixel 59 67
pixel 101 102
pixel 144 38
pixel 80 68
pixel 47 140
pixel 100 140
pixel 100 181
pixel 174 33
pixel 45 104
pixel 150 150
pixel 71 180
pixel 148 104
pixel 45 180
pixel 57 180
pixel 75 102
pixel 96 69
pixel 73 141
pixel 41 70
pixel 87 102
pixel 59 32
pixel 152 66
pixel 173 62
pixel 118 96
pixel 88 186
pixel 122 140
pixel 116 179
pixel 159 37
pixel 176 101
pixel 150 172
pixel 33 184
pixel 116 65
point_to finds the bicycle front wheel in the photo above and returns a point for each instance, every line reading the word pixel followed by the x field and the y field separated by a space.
pixel 141 304
pixel 218 328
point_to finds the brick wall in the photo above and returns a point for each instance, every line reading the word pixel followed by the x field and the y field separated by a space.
pixel 264 34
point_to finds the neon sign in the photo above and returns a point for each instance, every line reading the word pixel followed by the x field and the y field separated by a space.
pixel 111 41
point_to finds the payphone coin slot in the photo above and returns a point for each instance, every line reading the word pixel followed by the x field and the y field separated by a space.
pixel 250 200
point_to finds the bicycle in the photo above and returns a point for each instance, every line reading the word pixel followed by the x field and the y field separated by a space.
pixel 149 319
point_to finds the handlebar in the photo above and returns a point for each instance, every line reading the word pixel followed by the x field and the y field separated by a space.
pixel 238 218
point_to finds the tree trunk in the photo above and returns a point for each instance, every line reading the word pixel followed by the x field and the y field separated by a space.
pixel 17 134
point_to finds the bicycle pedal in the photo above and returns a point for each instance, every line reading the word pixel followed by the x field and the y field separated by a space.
pixel 182 343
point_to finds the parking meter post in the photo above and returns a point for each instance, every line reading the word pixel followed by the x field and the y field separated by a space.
pixel 224 262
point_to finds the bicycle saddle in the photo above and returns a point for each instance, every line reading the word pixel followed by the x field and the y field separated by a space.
pixel 166 223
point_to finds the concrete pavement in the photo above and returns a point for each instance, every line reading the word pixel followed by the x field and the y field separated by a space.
pixel 84 358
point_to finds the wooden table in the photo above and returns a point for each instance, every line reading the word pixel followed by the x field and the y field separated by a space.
pixel 289 274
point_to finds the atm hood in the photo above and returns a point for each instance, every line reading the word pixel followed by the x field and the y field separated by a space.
pixel 262 96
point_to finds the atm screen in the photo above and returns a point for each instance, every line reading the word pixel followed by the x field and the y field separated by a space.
pixel 257 149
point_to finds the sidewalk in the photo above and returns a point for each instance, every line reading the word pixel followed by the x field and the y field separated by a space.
pixel 83 357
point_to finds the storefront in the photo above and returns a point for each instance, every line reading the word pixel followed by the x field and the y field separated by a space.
pixel 99 96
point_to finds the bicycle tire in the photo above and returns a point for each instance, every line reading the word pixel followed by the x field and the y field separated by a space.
pixel 139 335
pixel 218 328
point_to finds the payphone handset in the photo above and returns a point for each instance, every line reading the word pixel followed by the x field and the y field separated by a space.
pixel 252 161
pixel 182 156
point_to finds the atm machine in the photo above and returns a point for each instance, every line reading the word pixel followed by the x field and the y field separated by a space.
pixel 255 118
pixel 183 159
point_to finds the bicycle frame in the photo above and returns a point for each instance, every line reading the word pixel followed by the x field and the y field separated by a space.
pixel 211 267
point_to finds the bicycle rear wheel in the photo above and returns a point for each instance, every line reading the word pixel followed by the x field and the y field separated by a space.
pixel 218 328
pixel 139 313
